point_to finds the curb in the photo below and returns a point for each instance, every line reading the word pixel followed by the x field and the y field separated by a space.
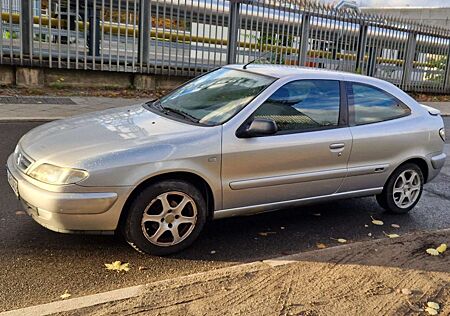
pixel 134 291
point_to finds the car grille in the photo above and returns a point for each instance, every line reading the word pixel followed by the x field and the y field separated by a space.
pixel 21 160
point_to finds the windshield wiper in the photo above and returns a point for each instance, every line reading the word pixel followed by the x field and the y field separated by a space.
pixel 156 104
pixel 191 118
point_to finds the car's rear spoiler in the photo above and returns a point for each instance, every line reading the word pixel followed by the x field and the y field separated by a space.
pixel 431 110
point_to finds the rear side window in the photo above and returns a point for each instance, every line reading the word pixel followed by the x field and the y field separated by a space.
pixel 303 105
pixel 373 105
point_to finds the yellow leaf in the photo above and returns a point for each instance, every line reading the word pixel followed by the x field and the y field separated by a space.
pixel 433 252
pixel 65 295
pixel 341 240
pixel 321 246
pixel 376 221
pixel 433 305
pixel 395 225
pixel 265 234
pixel 391 235
pixel 118 266
pixel 431 311
pixel 442 248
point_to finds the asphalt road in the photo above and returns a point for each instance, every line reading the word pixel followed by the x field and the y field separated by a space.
pixel 39 265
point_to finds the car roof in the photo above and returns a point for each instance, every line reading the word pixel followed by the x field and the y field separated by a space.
pixel 282 71
pixel 296 72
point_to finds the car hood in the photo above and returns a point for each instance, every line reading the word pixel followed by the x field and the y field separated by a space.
pixel 69 142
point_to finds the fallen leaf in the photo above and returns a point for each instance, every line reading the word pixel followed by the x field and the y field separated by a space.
pixel 395 225
pixel 431 311
pixel 321 246
pixel 406 291
pixel 376 221
pixel 442 248
pixel 391 235
pixel 433 305
pixel 118 266
pixel 265 234
pixel 432 251
pixel 142 268
pixel 65 295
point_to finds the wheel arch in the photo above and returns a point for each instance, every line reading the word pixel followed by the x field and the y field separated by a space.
pixel 193 178
pixel 420 162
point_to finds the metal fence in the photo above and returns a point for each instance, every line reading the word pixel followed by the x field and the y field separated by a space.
pixel 187 37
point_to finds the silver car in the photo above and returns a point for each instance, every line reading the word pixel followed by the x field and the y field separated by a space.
pixel 236 141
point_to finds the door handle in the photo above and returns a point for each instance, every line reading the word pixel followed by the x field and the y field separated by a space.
pixel 337 146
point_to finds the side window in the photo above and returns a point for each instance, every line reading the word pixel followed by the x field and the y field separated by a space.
pixel 303 105
pixel 373 105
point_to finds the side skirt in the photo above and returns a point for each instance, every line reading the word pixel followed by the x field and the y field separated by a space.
pixel 260 208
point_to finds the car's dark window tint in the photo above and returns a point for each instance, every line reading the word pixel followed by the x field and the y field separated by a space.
pixel 303 105
pixel 374 105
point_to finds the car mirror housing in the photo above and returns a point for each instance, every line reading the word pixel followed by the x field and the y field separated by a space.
pixel 258 127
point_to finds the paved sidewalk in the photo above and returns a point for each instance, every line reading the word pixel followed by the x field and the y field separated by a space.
pixel 49 108
pixel 45 108
pixel 380 277
pixel 444 107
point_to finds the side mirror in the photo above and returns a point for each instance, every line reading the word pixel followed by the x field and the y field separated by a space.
pixel 257 127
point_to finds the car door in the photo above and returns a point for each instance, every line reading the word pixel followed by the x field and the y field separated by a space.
pixel 380 126
pixel 307 157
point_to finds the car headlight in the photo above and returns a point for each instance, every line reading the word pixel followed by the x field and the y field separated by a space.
pixel 52 174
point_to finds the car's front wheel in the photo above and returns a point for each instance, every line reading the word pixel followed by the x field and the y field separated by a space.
pixel 165 217
pixel 402 190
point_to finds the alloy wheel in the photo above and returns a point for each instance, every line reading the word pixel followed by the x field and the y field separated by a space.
pixel 407 188
pixel 169 218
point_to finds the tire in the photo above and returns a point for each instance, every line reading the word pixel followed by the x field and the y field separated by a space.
pixel 175 214
pixel 407 180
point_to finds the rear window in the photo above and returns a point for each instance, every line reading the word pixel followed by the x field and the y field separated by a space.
pixel 373 105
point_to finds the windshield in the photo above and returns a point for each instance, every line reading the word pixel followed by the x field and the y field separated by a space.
pixel 215 97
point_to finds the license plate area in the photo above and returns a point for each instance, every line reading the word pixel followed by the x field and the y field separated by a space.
pixel 13 183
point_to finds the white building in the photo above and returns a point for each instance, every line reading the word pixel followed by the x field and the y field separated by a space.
pixel 13 6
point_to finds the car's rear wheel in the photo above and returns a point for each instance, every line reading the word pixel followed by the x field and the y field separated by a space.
pixel 403 189
pixel 165 217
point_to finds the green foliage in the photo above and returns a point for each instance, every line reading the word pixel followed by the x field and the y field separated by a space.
pixel 436 63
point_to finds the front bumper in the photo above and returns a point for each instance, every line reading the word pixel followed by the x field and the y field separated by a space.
pixel 94 210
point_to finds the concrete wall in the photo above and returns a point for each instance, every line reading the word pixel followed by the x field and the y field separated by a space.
pixel 66 78
pixel 431 16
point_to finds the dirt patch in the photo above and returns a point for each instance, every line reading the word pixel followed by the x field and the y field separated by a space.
pixel 84 92
pixel 364 278
pixel 422 97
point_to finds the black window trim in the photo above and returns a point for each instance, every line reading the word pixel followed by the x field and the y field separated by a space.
pixel 343 118
pixel 351 103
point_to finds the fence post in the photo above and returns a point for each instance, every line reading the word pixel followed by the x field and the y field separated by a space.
pixel 233 28
pixel 94 31
pixel 304 39
pixel 362 39
pixel 144 31
pixel 409 59
pixel 26 15
pixel 447 73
